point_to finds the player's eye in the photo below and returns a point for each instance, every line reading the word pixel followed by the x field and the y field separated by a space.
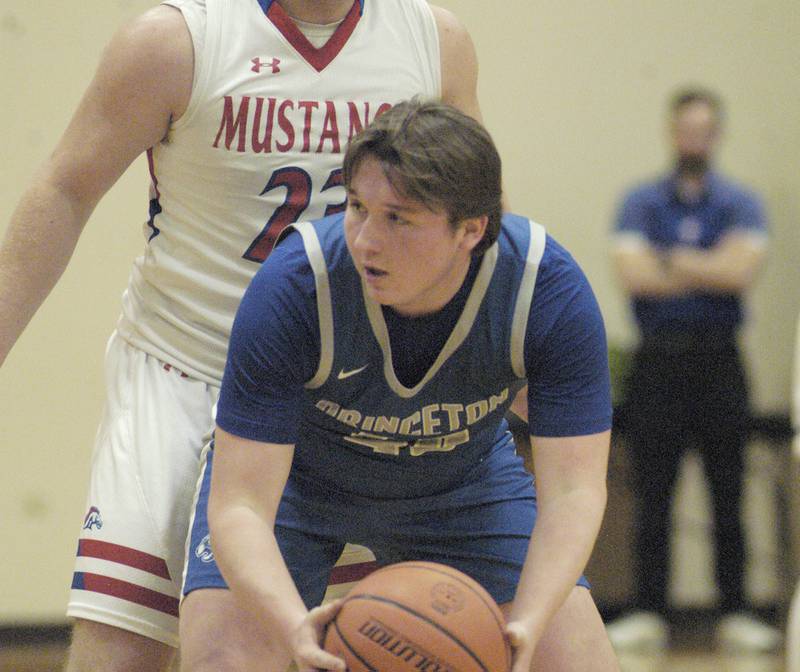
pixel 394 218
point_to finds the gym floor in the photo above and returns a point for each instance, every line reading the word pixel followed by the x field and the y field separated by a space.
pixel 50 658
pixel 45 651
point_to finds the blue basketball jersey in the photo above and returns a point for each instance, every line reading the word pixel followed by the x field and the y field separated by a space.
pixel 366 431
pixel 356 428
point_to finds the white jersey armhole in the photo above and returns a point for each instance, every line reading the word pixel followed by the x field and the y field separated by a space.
pixel 428 49
pixel 324 306
pixel 195 14
pixel 522 309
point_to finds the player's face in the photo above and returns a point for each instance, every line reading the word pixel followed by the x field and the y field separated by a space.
pixel 409 257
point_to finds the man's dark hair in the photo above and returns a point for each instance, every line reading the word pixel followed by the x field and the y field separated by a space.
pixel 697 94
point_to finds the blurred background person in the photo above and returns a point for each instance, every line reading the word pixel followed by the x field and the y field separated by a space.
pixel 686 248
pixel 793 618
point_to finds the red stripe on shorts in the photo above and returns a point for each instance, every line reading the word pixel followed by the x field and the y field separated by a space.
pixel 92 548
pixel 352 572
pixel 130 592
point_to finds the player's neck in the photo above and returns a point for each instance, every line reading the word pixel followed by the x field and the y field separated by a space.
pixel 317 11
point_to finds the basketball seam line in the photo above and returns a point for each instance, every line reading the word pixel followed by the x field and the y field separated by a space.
pixel 351 649
pixel 419 565
pixel 423 617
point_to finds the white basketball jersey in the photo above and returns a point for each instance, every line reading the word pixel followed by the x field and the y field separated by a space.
pixel 260 146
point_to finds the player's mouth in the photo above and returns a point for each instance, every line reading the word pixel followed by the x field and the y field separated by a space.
pixel 373 273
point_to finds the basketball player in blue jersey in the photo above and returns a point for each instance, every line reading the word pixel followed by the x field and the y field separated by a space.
pixel 244 108
pixel 370 366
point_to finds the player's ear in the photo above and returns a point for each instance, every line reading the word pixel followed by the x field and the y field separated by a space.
pixel 473 229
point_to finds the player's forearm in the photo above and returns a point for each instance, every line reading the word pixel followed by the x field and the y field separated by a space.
pixel 252 565
pixel 566 529
pixel 38 244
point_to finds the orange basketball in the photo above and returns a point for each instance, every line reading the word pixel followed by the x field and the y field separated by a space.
pixel 419 617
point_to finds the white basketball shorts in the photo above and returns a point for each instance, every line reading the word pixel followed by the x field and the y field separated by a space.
pixel 145 468
pixel 145 472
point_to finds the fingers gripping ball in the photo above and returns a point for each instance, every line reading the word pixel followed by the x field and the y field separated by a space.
pixel 419 617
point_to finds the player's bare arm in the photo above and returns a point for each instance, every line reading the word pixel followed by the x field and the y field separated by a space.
pixel 143 81
pixel 459 63
pixel 571 486
pixel 248 479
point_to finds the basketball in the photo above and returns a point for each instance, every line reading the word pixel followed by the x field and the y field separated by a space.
pixel 419 617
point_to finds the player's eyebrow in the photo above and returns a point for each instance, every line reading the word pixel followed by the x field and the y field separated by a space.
pixel 406 206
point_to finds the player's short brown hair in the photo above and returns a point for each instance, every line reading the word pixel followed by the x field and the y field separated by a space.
pixel 435 154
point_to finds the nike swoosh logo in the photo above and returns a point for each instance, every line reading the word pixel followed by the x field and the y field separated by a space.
pixel 346 374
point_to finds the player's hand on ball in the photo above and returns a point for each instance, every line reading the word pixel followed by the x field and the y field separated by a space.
pixel 307 640
pixel 522 645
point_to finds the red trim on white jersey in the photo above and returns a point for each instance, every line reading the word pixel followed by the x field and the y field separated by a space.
pixel 320 57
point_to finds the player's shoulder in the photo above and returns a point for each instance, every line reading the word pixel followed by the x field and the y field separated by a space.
pixel 160 26
pixel 455 44
pixel 558 264
pixel 526 232
pixel 156 47
pixel 325 232
pixel 447 22
pixel 305 246
pixel 530 242
pixel 330 226
pixel 284 282
pixel 289 253
pixel 560 279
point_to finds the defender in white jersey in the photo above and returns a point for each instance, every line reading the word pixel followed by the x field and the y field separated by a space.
pixel 244 108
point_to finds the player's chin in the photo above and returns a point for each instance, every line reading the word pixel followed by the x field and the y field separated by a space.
pixel 378 288
pixel 380 296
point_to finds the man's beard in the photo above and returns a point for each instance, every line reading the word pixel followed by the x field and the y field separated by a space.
pixel 692 165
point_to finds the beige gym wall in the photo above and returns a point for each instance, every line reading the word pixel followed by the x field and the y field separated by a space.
pixel 574 94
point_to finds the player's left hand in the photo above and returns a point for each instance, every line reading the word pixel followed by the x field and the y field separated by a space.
pixel 307 640
pixel 523 645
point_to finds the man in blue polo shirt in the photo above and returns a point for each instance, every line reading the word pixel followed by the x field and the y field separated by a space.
pixel 686 248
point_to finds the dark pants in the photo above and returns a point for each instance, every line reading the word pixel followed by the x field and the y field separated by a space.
pixel 681 394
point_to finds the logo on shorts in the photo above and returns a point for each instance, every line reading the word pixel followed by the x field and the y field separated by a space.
pixel 445 598
pixel 93 519
pixel 203 550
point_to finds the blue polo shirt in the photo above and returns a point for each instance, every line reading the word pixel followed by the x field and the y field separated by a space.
pixel 656 212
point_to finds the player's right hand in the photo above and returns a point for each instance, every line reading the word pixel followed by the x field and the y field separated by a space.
pixel 522 644
pixel 307 640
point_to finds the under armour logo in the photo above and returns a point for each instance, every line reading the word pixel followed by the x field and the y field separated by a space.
pixel 258 64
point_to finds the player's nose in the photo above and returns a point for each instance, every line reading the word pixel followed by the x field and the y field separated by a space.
pixel 369 236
